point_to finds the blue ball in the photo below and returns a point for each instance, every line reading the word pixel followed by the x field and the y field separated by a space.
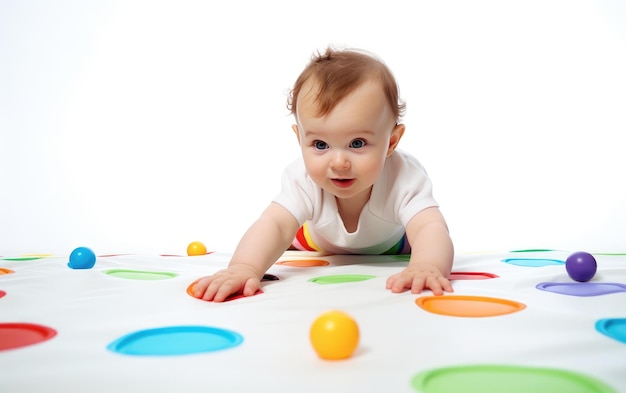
pixel 82 258
pixel 581 266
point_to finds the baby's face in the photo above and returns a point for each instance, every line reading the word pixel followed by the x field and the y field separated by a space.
pixel 344 151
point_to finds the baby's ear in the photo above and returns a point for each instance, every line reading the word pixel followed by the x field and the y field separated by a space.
pixel 394 139
pixel 294 127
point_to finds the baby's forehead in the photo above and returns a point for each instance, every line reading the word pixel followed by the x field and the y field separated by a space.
pixel 315 96
pixel 309 93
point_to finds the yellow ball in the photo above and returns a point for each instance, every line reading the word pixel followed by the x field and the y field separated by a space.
pixel 196 248
pixel 334 335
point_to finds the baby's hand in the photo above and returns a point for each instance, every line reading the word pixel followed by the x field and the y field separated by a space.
pixel 418 277
pixel 235 279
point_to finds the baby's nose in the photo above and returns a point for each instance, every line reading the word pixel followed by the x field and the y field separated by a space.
pixel 340 161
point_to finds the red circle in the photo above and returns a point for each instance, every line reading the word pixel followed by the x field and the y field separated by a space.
pixel 16 335
pixel 471 276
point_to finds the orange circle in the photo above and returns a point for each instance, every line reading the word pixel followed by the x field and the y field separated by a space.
pixel 5 271
pixel 191 288
pixel 196 248
pixel 334 335
pixel 304 263
pixel 468 306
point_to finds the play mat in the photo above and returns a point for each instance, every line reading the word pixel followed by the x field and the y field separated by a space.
pixel 517 322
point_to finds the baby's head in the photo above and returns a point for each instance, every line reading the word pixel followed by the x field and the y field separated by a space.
pixel 346 108
pixel 336 73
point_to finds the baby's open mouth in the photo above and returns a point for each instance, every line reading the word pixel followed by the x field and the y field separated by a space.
pixel 342 182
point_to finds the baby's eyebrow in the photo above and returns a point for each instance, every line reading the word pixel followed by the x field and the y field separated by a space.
pixel 313 134
pixel 359 132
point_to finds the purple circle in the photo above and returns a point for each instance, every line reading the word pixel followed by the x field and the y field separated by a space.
pixel 581 266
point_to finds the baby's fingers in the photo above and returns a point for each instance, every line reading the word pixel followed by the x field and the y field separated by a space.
pixel 430 282
pixel 398 283
pixel 200 286
pixel 437 285
pixel 220 291
pixel 418 284
pixel 252 286
pixel 445 284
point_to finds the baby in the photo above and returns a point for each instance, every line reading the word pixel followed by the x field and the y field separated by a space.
pixel 352 192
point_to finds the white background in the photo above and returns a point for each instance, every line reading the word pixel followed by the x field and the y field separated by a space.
pixel 140 126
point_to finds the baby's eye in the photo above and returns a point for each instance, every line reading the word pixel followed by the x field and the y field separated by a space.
pixel 320 145
pixel 358 143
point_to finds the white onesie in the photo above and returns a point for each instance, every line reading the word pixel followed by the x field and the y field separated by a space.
pixel 402 191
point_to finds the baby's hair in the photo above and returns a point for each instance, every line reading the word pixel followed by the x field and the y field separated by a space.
pixel 338 72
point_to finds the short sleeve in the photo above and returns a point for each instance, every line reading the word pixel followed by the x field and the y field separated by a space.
pixel 405 188
pixel 298 192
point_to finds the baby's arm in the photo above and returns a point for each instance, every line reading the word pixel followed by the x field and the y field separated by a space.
pixel 263 243
pixel 431 256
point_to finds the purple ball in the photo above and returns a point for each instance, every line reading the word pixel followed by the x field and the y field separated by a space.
pixel 581 266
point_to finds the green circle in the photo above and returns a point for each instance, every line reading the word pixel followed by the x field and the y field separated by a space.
pixel 341 278
pixel 140 274
pixel 534 250
pixel 502 378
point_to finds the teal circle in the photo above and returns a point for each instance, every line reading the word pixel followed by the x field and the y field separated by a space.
pixel 613 327
pixel 175 340
pixel 533 262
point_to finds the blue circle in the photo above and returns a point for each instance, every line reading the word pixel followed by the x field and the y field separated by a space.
pixel 175 340
pixel 82 258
